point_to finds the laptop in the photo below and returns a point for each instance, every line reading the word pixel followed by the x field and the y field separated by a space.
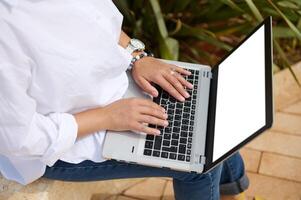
pixel 230 105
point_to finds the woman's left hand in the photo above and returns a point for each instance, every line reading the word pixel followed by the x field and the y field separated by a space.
pixel 169 77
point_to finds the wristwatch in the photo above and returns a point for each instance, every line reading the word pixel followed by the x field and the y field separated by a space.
pixel 135 45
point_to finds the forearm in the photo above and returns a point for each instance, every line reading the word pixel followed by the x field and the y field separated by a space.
pixel 124 39
pixel 90 121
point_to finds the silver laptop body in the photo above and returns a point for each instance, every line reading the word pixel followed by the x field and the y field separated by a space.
pixel 234 104
pixel 131 145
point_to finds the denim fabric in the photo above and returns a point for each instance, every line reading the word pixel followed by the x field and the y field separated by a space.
pixel 233 179
pixel 187 186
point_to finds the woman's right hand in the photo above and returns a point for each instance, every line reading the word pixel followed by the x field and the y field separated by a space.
pixel 134 114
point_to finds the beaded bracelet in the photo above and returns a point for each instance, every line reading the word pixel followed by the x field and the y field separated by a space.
pixel 138 57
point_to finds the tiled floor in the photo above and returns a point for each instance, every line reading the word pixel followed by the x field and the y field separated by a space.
pixel 273 163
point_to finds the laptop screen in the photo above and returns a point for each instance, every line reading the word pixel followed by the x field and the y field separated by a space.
pixel 241 95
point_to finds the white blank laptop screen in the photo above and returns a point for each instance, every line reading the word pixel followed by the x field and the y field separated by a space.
pixel 240 103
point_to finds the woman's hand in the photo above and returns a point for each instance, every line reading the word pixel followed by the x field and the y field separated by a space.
pixel 134 114
pixel 151 70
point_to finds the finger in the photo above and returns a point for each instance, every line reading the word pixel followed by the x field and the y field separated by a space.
pixel 149 103
pixel 153 112
pixel 181 70
pixel 176 84
pixel 152 120
pixel 183 81
pixel 147 87
pixel 139 127
pixel 169 88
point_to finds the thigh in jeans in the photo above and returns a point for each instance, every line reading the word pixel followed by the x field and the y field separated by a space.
pixel 186 185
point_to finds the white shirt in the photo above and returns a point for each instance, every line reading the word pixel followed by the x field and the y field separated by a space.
pixel 57 58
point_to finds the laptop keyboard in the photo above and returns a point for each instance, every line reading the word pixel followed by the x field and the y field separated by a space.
pixel 175 140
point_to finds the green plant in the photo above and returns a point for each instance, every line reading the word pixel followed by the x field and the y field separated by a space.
pixel 204 30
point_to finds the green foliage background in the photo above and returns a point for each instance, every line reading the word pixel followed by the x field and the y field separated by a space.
pixel 204 30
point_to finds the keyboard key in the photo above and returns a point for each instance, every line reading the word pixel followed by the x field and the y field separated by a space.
pixel 186 116
pixel 192 117
pixel 147 152
pixel 179 105
pixel 164 155
pixel 193 107
pixel 184 134
pixel 158 142
pixel 150 137
pixel 181 157
pixel 188 151
pixel 190 133
pixel 194 96
pixel 173 149
pixel 189 145
pixel 188 158
pixel 185 121
pixel 186 109
pixel 166 143
pixel 190 128
pixel 192 112
pixel 174 142
pixel 183 140
pixel 175 136
pixel 190 140
pixel 185 128
pixel 193 101
pixel 172 156
pixel 167 130
pixel 191 123
pixel 175 129
pixel 177 123
pixel 178 111
pixel 167 136
pixel 177 117
pixel 156 153
pixel 182 148
pixel 148 144
pixel 170 112
pixel 187 104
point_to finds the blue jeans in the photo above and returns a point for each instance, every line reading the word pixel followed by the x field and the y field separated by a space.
pixel 187 186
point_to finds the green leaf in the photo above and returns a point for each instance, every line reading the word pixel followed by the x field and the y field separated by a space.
pixel 286 61
pixel 288 4
pixel 169 47
pixel 283 32
pixel 289 23
pixel 254 10
pixel 233 5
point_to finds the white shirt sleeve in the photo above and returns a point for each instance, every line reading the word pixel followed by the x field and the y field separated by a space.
pixel 23 131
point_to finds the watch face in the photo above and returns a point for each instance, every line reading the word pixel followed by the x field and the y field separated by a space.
pixel 137 44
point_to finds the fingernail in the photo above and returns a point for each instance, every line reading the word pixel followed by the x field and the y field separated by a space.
pixel 190 85
pixel 157 132
pixel 154 93
pixel 165 116
pixel 187 94
pixel 163 110
pixel 182 98
pixel 165 123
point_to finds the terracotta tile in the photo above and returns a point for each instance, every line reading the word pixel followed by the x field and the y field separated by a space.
pixel 286 90
pixel 287 123
pixel 150 189
pixel 270 188
pixel 168 192
pixel 125 198
pixel 251 159
pixel 281 166
pixel 278 143
pixel 295 108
